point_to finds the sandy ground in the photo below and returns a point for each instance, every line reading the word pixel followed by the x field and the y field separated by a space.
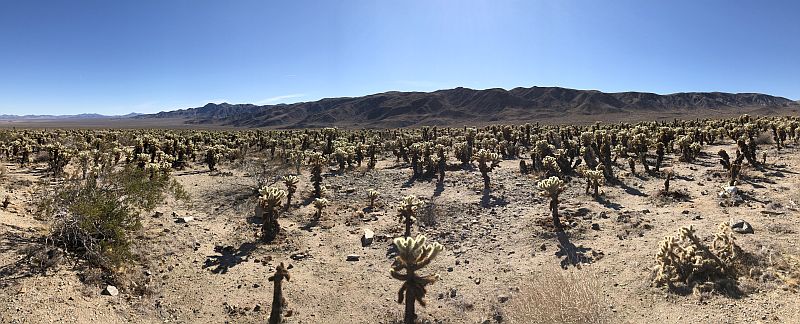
pixel 214 269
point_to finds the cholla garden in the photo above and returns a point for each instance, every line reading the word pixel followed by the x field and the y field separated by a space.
pixel 318 183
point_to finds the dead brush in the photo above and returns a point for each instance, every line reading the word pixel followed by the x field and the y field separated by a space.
pixel 559 296
pixel 768 265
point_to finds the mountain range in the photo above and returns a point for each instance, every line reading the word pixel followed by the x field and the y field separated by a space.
pixel 463 106
pixel 58 117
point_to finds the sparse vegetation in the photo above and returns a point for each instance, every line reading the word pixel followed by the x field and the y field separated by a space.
pixel 95 185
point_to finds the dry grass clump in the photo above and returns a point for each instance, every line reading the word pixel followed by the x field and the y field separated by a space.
pixel 559 296
pixel 775 266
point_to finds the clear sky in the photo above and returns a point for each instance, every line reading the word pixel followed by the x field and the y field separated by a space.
pixel 116 57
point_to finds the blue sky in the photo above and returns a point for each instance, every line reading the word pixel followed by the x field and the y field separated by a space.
pixel 115 57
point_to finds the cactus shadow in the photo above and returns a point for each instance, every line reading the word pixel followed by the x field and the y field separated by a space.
pixel 572 255
pixel 35 255
pixel 488 200
pixel 439 189
pixel 228 257
pixel 607 203
pixel 628 189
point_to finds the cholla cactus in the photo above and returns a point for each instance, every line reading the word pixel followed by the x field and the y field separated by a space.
pixel 486 162
pixel 550 165
pixel 319 205
pixel 632 165
pixel 372 195
pixel 84 160
pixel 290 181
pixel 278 302
pixel 552 187
pixel 413 254
pixel 407 212
pixel 269 200
pixel 316 161
pixel 685 144
pixel 594 178
pixel 667 177
pixel 213 156
pixel 684 259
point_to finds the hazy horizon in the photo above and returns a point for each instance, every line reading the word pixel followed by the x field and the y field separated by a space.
pixel 115 58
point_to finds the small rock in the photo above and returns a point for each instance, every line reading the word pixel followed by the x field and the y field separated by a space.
pixel 368 237
pixel 158 214
pixel 298 256
pixel 353 257
pixel 184 219
pixel 257 308
pixel 596 226
pixel 110 291
pixel 502 298
pixel 453 292
pixel 478 281
pixel 350 190
pixel 741 226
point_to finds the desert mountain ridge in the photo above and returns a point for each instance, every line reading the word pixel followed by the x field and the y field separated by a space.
pixel 460 106
pixel 56 117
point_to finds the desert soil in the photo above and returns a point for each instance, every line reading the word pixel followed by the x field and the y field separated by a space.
pixel 214 269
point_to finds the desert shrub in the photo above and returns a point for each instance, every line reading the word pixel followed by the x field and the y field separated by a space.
pixel 96 218
pixel 559 296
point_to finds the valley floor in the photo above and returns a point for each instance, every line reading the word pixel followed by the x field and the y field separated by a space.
pixel 214 269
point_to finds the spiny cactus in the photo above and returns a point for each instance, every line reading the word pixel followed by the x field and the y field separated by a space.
pixel 278 302
pixel 550 166
pixel 372 195
pixel 724 159
pixel 316 161
pixel 413 254
pixel 632 165
pixel 407 212
pixel 213 156
pixel 269 200
pixel 319 205
pixel 290 181
pixel 667 177
pixel 594 178
pixel 486 162
pixel 552 187
pixel 685 259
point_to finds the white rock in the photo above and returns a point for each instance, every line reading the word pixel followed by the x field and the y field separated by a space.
pixel 368 237
pixel 111 291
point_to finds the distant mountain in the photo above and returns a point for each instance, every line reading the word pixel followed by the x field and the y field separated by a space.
pixel 57 117
pixel 462 106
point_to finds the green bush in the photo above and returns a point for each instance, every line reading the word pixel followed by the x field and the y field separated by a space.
pixel 96 218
